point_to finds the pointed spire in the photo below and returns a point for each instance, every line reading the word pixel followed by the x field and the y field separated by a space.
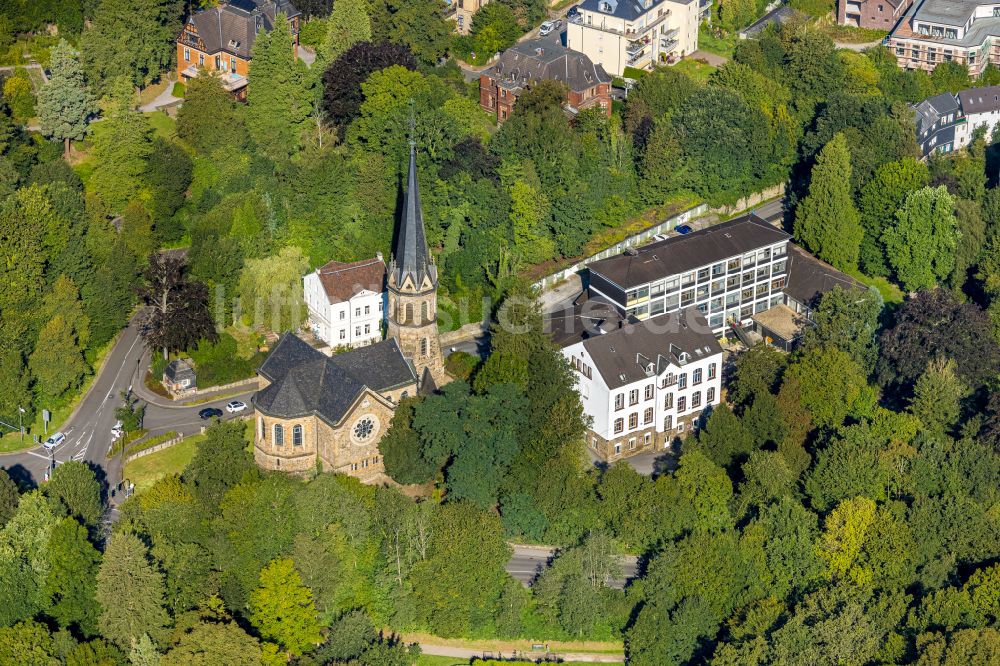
pixel 410 256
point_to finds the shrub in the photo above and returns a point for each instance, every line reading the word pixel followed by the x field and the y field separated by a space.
pixel 220 363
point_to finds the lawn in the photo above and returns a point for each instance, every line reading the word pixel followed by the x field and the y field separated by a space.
pixel 699 71
pixel 146 471
pixel 163 125
pixel 890 293
pixel 434 660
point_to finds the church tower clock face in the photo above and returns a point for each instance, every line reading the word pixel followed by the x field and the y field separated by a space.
pixel 364 429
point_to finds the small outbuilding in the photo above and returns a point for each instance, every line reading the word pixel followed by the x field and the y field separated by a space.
pixel 180 376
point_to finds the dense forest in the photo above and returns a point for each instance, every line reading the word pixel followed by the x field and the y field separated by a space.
pixel 842 508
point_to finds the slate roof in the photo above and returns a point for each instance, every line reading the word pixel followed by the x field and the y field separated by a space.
pixel 930 110
pixel 628 10
pixel 809 278
pixel 232 27
pixel 683 253
pixel 410 256
pixel 621 355
pixel 341 281
pixel 586 318
pixel 305 381
pixel 980 100
pixel 179 369
pixel 541 60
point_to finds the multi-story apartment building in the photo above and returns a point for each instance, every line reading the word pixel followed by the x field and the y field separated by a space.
pixel 346 302
pixel 644 383
pixel 636 33
pixel 872 14
pixel 525 64
pixel 461 12
pixel 729 272
pixel 221 38
pixel 948 122
pixel 936 31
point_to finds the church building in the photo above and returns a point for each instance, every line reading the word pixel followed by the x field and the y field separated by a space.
pixel 329 412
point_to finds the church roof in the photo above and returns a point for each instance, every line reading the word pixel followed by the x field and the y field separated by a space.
pixel 305 381
pixel 410 255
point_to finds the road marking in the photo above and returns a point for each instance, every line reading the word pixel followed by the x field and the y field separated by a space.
pixel 39 455
pixel 80 455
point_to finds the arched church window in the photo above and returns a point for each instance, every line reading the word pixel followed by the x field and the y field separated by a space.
pixel 408 319
pixel 297 435
pixel 279 434
pixel 423 313
pixel 423 346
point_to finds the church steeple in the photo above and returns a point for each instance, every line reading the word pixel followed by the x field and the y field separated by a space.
pixel 412 286
pixel 410 256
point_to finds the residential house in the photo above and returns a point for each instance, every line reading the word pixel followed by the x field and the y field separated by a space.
pixel 940 124
pixel 179 376
pixel 636 33
pixel 527 63
pixel 644 383
pixel 346 302
pixel 948 122
pixel 220 39
pixel 871 14
pixel 936 31
pixel 461 12
pixel 729 271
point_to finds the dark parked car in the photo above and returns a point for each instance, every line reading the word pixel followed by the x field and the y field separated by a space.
pixel 210 413
pixel 682 229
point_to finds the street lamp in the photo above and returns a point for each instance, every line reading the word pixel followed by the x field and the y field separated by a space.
pixel 20 422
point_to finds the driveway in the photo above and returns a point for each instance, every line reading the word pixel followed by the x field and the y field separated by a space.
pixel 165 98
pixel 712 59
pixel 529 561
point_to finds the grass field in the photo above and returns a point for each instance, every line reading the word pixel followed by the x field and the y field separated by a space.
pixel 722 46
pixel 146 471
pixel 699 71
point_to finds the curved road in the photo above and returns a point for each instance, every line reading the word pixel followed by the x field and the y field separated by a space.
pixel 88 429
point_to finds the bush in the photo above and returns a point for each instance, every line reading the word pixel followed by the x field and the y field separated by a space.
pixel 313 32
pixel 220 363
pixel 461 365
pixel 178 90
pixel 20 95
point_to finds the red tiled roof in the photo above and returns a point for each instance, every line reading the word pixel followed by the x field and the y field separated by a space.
pixel 341 280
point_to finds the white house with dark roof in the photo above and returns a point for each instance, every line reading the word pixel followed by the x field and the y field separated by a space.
pixel 642 384
pixel 636 33
pixel 347 302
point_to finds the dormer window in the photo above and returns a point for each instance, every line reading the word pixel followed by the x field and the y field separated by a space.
pixel 606 7
pixel 234 44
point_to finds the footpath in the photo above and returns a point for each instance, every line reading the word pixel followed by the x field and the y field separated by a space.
pixel 585 652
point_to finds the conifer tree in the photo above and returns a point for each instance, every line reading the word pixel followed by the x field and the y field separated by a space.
pixel 130 590
pixel 64 103
pixel 278 94
pixel 827 221
pixel 349 24
pixel 72 577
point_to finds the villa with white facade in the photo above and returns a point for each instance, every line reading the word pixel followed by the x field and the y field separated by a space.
pixel 346 302
pixel 642 384
pixel 636 33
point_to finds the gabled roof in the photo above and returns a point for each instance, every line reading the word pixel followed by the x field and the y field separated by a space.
pixel 679 254
pixel 622 355
pixel 542 60
pixel 628 10
pixel 929 111
pixel 410 255
pixel 305 381
pixel 342 281
pixel 232 26
pixel 809 277
pixel 980 100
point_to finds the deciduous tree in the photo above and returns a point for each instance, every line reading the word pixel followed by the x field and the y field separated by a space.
pixel 72 578
pixel 921 245
pixel 348 24
pixel 76 492
pixel 177 314
pixel 282 608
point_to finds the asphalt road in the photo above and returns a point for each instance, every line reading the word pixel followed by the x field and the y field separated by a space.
pixel 88 430
pixel 529 561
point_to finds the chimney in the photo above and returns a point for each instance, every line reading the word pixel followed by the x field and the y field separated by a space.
pixel 378 255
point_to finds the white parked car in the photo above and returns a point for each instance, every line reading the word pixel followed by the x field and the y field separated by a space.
pixel 546 28
pixel 116 431
pixel 235 406
pixel 55 440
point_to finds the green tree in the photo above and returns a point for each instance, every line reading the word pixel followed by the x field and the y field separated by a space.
pixel 419 24
pixel 130 591
pixel 19 93
pixel 757 372
pixel 348 24
pixel 27 643
pixel 72 578
pixel 282 608
pixel 847 319
pixel 57 362
pixel 937 397
pixel 494 29
pixel 400 449
pixel 131 38
pixel 210 643
pixel 879 200
pixel 65 105
pixel 220 462
pixel 724 440
pixel 24 562
pixel 832 386
pixel 278 95
pixel 662 165
pixel 271 290
pixel 9 497
pixel 826 221
pixel 921 245
pixel 77 492
pixel 121 147
pixel 210 118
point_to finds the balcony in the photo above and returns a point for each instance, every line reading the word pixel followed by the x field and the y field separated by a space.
pixel 667 45
pixel 636 47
